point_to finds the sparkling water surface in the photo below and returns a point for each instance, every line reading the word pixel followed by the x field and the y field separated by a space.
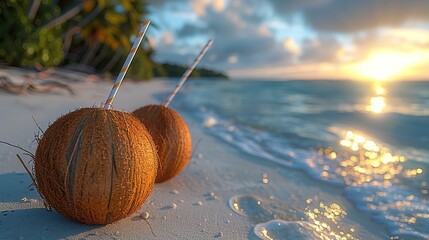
pixel 369 138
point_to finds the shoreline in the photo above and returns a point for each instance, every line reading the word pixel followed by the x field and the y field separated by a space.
pixel 193 205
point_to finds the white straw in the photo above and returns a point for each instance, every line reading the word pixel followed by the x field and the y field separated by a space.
pixel 188 72
pixel 124 69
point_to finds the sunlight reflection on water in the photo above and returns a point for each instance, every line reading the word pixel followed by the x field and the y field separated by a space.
pixel 368 162
pixel 388 181
pixel 377 102
pixel 320 220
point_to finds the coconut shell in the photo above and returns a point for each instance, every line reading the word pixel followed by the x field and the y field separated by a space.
pixel 171 136
pixel 96 166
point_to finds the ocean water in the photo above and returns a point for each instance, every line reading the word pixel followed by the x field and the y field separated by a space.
pixel 369 138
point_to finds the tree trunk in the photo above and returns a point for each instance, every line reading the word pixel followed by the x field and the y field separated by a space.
pixel 32 11
pixel 83 22
pixel 112 62
pixel 90 16
pixel 101 55
pixel 68 37
pixel 91 53
pixel 64 17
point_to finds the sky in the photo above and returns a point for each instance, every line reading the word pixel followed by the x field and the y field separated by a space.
pixel 296 39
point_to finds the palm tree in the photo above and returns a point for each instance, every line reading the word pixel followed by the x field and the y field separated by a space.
pixel 109 29
pixel 93 31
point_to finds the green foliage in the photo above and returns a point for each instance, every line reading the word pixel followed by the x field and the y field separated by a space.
pixel 159 71
pixel 105 35
pixel 21 44
pixel 204 72
pixel 170 70
pixel 95 33
pixel 43 47
pixel 173 70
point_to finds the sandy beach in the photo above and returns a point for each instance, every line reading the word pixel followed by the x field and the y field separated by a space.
pixel 308 120
pixel 223 193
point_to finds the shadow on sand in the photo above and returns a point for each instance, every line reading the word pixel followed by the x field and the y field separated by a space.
pixel 30 220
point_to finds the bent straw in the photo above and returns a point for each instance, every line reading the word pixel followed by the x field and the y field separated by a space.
pixel 124 69
pixel 188 72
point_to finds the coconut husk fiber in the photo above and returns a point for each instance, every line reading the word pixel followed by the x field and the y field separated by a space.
pixel 171 136
pixel 96 166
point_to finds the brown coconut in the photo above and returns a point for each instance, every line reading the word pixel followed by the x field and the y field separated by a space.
pixel 171 136
pixel 96 166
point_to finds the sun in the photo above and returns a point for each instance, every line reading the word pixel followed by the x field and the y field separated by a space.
pixel 386 65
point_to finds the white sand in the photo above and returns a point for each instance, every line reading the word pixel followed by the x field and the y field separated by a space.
pixel 182 208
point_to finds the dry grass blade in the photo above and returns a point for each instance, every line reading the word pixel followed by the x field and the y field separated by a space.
pixel 26 169
pixel 148 223
pixel 47 207
pixel 40 129
pixel 28 153
pixel 20 148
pixel 195 147
pixel 150 227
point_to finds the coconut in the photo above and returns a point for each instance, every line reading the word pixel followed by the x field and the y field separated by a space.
pixel 171 136
pixel 96 166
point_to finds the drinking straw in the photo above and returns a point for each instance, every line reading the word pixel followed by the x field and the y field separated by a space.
pixel 188 72
pixel 124 69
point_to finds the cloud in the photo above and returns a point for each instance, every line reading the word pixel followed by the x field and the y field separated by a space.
pixel 235 19
pixel 167 38
pixel 157 2
pixel 219 5
pixel 264 38
pixel 393 39
pixel 323 15
pixel 264 31
pixel 299 71
pixel 191 30
pixel 284 7
pixel 320 49
pixel 232 59
pixel 291 46
pixel 199 7
pixel 396 53
pixel 410 36
pixel 351 15
pixel 241 38
pixel 261 51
